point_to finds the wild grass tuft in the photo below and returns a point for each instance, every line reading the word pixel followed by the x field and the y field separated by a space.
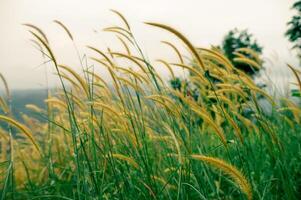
pixel 136 137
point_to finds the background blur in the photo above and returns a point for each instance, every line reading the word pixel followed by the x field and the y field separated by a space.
pixel 205 25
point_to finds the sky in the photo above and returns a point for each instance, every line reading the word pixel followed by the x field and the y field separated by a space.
pixel 204 22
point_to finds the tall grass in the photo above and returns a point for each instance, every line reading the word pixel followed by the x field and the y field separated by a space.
pixel 141 139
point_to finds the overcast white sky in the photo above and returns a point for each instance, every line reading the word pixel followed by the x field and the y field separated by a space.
pixel 204 22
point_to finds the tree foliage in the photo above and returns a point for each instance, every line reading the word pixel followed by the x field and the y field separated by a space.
pixel 294 27
pixel 236 39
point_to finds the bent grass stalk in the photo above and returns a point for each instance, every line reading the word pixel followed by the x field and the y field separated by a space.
pixel 234 173
pixel 22 128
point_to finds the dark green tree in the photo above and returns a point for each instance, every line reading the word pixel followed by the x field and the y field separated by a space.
pixel 233 40
pixel 294 28
pixel 176 83
pixel 236 39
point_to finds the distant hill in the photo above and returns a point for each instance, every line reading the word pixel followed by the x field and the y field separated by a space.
pixel 22 97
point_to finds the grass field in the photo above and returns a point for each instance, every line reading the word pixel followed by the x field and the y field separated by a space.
pixel 141 139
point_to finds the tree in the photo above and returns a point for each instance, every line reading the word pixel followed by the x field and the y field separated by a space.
pixel 236 39
pixel 236 44
pixel 294 27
